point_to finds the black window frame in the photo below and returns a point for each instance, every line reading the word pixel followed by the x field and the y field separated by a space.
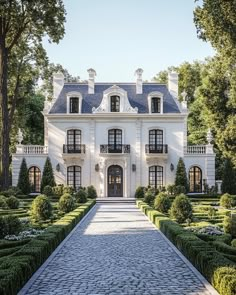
pixel 115 103
pixel 73 173
pixel 155 177
pixel 74 105
pixel 34 173
pixel 155 105
pixel 195 175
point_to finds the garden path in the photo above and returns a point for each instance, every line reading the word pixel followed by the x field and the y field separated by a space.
pixel 116 250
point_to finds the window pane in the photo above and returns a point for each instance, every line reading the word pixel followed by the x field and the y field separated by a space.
pixel 35 179
pixel 156 176
pixel 74 176
pixel 115 103
pixel 74 105
pixel 156 105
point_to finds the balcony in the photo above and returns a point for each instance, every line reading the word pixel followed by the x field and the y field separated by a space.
pixel 72 153
pixel 115 149
pixel 198 149
pixel 156 152
pixel 73 148
pixel 156 148
pixel 31 149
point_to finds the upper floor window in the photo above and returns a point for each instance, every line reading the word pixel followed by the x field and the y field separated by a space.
pixel 156 105
pixel 115 103
pixel 74 105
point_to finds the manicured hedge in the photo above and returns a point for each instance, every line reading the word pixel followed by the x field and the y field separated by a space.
pixel 217 269
pixel 15 270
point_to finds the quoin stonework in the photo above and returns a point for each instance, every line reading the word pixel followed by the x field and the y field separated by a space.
pixel 116 136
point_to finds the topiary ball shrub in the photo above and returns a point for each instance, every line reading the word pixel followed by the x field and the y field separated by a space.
pixel 58 190
pixel 162 202
pixel 3 202
pixel 68 190
pixel 149 196
pixel 140 192
pixel 81 196
pixel 13 202
pixel 66 203
pixel 179 189
pixel 14 225
pixel 3 227
pixel 48 191
pixel 233 243
pixel 181 208
pixel 226 201
pixel 91 192
pixel 41 208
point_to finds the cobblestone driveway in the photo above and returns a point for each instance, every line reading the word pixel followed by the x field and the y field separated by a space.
pixel 116 250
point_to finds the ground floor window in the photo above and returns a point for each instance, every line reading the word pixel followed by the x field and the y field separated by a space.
pixel 74 176
pixel 35 179
pixel 156 176
pixel 195 180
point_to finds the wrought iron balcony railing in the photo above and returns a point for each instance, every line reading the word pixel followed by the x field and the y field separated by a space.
pixel 74 148
pixel 115 148
pixel 156 148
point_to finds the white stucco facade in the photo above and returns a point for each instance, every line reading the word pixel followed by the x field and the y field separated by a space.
pixel 134 121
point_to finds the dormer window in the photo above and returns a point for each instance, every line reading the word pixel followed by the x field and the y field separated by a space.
pixel 74 105
pixel 115 103
pixel 156 105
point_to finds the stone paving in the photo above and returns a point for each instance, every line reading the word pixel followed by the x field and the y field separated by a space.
pixel 116 250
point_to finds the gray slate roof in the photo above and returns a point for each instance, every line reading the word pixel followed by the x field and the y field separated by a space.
pixel 136 100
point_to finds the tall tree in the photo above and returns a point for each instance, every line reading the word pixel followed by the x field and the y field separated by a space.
pixel 23 180
pixel 23 22
pixel 48 176
pixel 181 178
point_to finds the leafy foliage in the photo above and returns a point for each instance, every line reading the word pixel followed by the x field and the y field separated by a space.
pixel 139 193
pixel 181 175
pixel 13 202
pixel 91 192
pixel 181 209
pixel 162 203
pixel 48 176
pixel 41 208
pixel 226 201
pixel 228 178
pixel 81 196
pixel 3 202
pixel 23 181
pixel 48 191
pixel 66 203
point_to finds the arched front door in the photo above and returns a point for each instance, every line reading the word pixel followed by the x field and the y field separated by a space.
pixel 115 181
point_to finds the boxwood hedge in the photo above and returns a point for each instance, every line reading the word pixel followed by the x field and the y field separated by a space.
pixel 217 269
pixel 16 269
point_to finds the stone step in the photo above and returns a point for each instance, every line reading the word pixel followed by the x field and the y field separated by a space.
pixel 115 200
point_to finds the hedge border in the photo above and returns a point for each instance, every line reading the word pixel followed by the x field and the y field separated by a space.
pixel 218 270
pixel 18 268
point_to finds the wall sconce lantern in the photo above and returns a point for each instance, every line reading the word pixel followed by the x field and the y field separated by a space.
pixel 58 168
pixel 133 167
pixel 172 167
pixel 97 167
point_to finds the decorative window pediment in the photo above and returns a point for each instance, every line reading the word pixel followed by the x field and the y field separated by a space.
pixel 109 104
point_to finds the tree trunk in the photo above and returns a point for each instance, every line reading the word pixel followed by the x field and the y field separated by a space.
pixel 4 112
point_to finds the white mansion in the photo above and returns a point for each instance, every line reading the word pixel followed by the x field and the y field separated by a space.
pixel 116 136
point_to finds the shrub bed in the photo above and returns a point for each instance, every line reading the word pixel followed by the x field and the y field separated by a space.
pixel 15 270
pixel 217 269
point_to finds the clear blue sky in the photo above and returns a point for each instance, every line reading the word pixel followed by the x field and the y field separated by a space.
pixel 115 37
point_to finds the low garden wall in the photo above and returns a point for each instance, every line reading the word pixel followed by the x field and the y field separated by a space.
pixel 16 269
pixel 217 269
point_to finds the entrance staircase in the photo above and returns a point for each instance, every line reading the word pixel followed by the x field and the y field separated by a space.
pixel 110 200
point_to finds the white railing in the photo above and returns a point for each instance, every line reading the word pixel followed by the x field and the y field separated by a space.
pixel 32 149
pixel 195 149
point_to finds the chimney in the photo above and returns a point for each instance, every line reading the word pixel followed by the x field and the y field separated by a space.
pixel 139 81
pixel 173 83
pixel 91 80
pixel 58 83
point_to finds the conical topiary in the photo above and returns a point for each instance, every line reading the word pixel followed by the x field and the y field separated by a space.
pixel 48 176
pixel 181 175
pixel 23 180
pixel 228 178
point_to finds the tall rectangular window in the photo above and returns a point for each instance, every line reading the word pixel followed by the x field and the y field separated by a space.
pixel 74 105
pixel 156 176
pixel 115 103
pixel 156 105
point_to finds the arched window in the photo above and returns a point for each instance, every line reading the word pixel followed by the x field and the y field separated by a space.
pixel 195 180
pixel 156 105
pixel 74 176
pixel 74 141
pixel 115 140
pixel 34 179
pixel 115 103
pixel 74 105
pixel 156 176
pixel 155 141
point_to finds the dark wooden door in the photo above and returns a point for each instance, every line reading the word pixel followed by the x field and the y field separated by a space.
pixel 115 181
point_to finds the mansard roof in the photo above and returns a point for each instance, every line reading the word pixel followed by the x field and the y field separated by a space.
pixel 94 100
